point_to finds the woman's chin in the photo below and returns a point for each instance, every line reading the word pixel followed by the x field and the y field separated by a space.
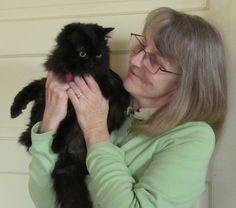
pixel 129 85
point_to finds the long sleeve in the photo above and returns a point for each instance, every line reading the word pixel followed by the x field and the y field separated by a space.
pixel 41 165
pixel 168 172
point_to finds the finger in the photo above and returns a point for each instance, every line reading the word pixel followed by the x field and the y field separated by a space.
pixel 92 84
pixel 54 86
pixel 72 96
pixel 75 89
pixel 48 81
pixel 53 81
pixel 63 86
pixel 48 78
pixel 49 74
pixel 82 85
pixel 74 99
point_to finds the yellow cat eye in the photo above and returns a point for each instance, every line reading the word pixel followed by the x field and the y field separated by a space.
pixel 99 56
pixel 82 54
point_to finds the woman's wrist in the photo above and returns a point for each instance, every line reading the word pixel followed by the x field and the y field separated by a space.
pixel 47 125
pixel 45 128
pixel 95 135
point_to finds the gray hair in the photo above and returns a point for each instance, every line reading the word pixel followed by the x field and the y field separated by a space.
pixel 197 49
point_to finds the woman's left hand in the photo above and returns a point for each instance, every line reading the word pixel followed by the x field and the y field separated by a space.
pixel 91 109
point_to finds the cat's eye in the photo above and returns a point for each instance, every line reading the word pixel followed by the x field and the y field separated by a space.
pixel 82 54
pixel 99 56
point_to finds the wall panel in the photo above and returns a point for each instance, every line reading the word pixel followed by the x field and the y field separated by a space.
pixel 25 9
pixel 13 191
pixel 28 30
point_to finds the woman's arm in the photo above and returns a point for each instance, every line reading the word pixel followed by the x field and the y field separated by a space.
pixel 43 159
pixel 40 168
pixel 174 178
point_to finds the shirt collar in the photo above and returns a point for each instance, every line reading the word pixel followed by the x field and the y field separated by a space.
pixel 141 113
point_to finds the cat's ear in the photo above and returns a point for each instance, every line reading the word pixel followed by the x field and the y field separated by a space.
pixel 103 31
pixel 107 30
pixel 66 33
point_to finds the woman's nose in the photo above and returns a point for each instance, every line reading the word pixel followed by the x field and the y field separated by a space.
pixel 137 59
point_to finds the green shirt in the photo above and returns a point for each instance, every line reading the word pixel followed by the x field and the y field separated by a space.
pixel 133 171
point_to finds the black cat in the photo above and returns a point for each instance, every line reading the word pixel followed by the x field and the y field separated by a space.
pixel 81 49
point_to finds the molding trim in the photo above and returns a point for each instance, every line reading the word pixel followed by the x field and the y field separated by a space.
pixel 8 138
pixel 13 173
pixel 23 55
pixel 96 9
pixel 39 55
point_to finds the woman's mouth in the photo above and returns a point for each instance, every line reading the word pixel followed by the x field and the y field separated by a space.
pixel 132 73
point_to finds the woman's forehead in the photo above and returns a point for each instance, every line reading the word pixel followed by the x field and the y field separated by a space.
pixel 165 61
pixel 149 38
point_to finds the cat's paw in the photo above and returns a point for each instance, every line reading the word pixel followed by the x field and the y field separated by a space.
pixel 16 110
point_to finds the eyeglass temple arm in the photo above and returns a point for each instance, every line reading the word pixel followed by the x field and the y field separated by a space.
pixel 136 34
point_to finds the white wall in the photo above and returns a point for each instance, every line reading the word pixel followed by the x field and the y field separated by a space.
pixel 222 14
pixel 27 32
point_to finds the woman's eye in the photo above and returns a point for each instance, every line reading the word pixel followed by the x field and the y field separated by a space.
pixel 99 56
pixel 153 59
pixel 143 43
pixel 82 54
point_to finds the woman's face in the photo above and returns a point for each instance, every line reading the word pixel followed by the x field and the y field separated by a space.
pixel 150 89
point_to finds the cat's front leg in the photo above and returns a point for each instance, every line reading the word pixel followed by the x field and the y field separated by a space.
pixel 59 141
pixel 31 92
pixel 64 130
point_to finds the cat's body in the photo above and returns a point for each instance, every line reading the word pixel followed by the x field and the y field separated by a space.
pixel 81 49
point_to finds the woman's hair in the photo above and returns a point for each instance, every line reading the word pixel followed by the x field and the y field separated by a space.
pixel 197 49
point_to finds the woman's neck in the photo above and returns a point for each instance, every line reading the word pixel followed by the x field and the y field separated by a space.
pixel 157 103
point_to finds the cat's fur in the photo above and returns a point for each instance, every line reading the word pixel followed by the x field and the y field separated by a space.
pixel 68 56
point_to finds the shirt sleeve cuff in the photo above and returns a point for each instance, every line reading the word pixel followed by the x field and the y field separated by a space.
pixel 41 142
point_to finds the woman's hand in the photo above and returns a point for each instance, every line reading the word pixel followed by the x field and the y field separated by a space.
pixel 91 109
pixel 56 103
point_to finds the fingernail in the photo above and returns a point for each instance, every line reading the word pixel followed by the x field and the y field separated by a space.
pixel 71 84
pixel 77 78
pixel 89 76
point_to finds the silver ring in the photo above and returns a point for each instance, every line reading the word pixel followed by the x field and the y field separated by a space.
pixel 78 95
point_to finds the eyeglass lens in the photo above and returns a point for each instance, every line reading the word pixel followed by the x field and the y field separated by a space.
pixel 136 46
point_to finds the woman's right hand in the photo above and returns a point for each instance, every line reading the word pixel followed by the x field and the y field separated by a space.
pixel 55 104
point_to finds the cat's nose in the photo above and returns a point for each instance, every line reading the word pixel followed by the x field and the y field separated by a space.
pixel 91 64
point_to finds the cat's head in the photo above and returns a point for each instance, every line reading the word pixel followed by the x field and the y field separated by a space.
pixel 81 49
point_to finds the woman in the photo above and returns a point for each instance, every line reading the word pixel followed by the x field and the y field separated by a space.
pixel 160 155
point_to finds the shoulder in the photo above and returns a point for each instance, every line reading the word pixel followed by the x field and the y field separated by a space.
pixel 199 129
pixel 197 136
pixel 193 129
pixel 181 159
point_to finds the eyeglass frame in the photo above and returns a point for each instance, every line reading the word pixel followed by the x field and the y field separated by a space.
pixel 160 67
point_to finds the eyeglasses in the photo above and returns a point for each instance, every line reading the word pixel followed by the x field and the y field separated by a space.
pixel 149 59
